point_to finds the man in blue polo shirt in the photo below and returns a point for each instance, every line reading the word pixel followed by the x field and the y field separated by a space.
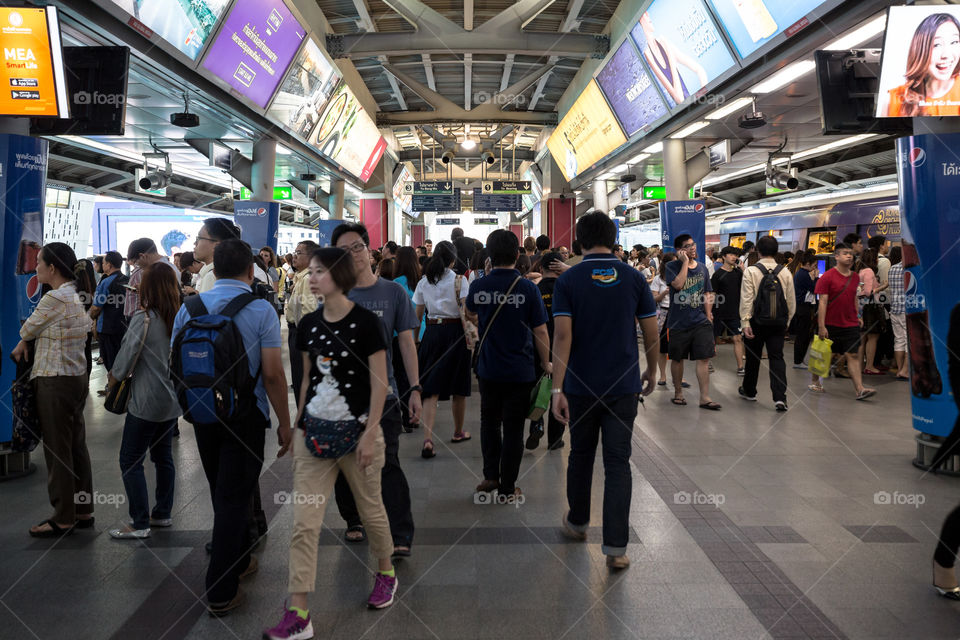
pixel 107 309
pixel 232 455
pixel 512 321
pixel 596 377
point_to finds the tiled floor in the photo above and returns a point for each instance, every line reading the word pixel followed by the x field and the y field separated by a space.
pixel 746 524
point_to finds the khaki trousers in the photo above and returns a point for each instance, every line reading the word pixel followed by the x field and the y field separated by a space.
pixel 60 402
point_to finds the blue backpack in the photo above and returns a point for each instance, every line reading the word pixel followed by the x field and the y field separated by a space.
pixel 209 364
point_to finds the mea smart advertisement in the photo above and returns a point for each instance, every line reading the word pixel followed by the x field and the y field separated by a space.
pixel 257 43
pixel 921 63
pixel 347 135
pixel 753 23
pixel 587 133
pixel 32 77
pixel 630 90
pixel 185 25
pixel 682 47
pixel 310 82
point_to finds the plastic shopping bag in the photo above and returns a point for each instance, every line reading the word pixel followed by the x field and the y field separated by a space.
pixel 821 354
pixel 540 399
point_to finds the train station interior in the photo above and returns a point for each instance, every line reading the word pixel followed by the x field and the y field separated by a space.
pixel 805 132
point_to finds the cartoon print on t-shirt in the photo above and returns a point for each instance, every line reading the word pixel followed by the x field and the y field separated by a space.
pixel 328 403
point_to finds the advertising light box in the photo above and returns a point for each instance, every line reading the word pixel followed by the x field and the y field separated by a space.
pixel 587 133
pixel 256 44
pixel 921 63
pixel 309 84
pixel 753 23
pixel 347 135
pixel 630 91
pixel 185 25
pixel 32 75
pixel 682 47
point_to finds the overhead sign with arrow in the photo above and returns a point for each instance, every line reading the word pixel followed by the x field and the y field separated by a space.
pixel 506 187
pixel 437 201
pixel 430 188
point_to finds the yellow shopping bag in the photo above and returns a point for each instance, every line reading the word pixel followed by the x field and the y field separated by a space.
pixel 821 353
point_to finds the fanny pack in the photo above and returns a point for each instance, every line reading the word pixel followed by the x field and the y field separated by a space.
pixel 331 438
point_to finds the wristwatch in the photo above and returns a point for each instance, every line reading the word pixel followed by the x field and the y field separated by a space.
pixel 553 391
pixel 416 387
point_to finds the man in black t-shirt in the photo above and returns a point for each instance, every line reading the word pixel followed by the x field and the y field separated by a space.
pixel 465 248
pixel 726 283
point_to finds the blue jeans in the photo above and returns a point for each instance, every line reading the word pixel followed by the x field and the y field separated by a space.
pixel 140 436
pixel 612 417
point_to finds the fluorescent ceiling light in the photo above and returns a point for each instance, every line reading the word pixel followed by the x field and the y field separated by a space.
pixel 283 151
pixel 727 109
pixel 468 144
pixel 638 159
pixel 656 147
pixel 785 76
pixel 607 176
pixel 859 36
pixel 690 129
pixel 621 169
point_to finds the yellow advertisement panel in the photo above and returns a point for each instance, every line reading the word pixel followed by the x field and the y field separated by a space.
pixel 30 74
pixel 586 134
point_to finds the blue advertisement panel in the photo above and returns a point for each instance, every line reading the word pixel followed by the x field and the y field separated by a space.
pixel 753 23
pixel 929 224
pixel 684 216
pixel 682 47
pixel 630 91
pixel 259 223
pixel 326 227
pixel 23 174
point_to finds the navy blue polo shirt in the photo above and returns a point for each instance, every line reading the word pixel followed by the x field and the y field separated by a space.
pixel 508 352
pixel 603 297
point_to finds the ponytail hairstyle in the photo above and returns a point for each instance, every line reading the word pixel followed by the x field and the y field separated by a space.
pixel 444 255
pixel 62 258
pixel 86 281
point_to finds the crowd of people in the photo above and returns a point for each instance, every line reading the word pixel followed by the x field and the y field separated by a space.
pixel 378 338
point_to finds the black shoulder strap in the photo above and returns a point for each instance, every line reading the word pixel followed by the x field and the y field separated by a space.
pixel 762 268
pixel 195 307
pixel 776 272
pixel 234 306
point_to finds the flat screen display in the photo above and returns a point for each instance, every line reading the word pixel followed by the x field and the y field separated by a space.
pixel 347 135
pixel 253 49
pixel 32 77
pixel 310 82
pixel 682 47
pixel 753 23
pixel 630 90
pixel 185 25
pixel 587 133
pixel 920 72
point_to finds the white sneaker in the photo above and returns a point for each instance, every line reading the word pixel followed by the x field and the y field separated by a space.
pixel 780 405
pixel 161 522
pixel 129 534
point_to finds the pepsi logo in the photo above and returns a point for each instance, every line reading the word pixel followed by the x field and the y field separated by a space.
pixel 34 289
pixel 911 284
pixel 261 211
pixel 699 207
pixel 917 157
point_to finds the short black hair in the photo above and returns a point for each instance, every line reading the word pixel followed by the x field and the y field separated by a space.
pixel 577 247
pixel 851 239
pixel 221 229
pixel 139 247
pixel 392 246
pixel 113 258
pixel 876 242
pixel 596 230
pixel 767 246
pixel 729 249
pixel 232 258
pixel 337 262
pixel 547 258
pixel 747 246
pixel 681 239
pixel 504 247
pixel 543 243
pixel 350 227
pixel 456 233
pixel 840 246
pixel 309 244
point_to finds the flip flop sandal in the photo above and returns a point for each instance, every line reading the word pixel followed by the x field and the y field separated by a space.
pixel 463 436
pixel 685 385
pixel 866 393
pixel 401 551
pixel 55 531
pixel 816 388
pixel 427 452
pixel 712 406
pixel 355 529
pixel 680 402
pixel 662 383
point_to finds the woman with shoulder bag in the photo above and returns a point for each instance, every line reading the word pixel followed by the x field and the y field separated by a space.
pixel 58 326
pixel 444 357
pixel 872 314
pixel 153 408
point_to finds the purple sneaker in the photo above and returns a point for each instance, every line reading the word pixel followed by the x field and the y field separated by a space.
pixel 383 590
pixel 291 627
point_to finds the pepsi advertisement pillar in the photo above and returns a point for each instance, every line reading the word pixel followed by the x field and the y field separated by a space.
pixel 684 216
pixel 23 175
pixel 929 178
pixel 259 223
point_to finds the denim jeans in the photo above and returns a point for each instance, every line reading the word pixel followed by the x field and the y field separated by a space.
pixel 612 417
pixel 504 407
pixel 139 437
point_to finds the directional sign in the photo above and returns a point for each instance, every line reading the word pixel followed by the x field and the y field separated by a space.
pixel 496 202
pixel 657 193
pixel 503 187
pixel 431 188
pixel 440 202
pixel 279 193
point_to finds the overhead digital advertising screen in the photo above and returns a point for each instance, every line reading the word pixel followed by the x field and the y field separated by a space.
pixel 310 82
pixel 682 47
pixel 185 25
pixel 256 44
pixel 920 73
pixel 32 74
pixel 630 90
pixel 587 133
pixel 753 23
pixel 347 135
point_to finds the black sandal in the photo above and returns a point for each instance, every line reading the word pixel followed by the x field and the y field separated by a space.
pixel 427 452
pixel 56 531
pixel 358 528
pixel 680 402
pixel 85 523
pixel 401 551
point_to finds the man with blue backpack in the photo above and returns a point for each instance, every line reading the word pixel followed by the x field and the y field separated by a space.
pixel 228 370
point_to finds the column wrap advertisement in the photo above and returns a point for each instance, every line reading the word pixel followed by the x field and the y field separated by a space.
pixel 684 216
pixel 259 223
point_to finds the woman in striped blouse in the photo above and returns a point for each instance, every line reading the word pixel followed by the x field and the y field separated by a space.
pixel 58 327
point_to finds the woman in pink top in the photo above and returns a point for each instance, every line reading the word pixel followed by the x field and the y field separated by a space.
pixel 872 314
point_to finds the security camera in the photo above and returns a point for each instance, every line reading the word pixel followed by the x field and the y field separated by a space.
pixel 154 180
pixel 487 156
pixel 782 179
pixel 449 149
pixel 448 157
pixel 486 151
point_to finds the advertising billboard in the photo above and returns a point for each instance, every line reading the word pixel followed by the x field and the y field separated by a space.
pixel 682 47
pixel 347 135
pixel 32 74
pixel 587 133
pixel 253 49
pixel 185 25
pixel 921 62
pixel 753 23
pixel 310 82
pixel 630 91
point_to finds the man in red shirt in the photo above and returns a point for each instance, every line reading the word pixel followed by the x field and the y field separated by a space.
pixel 838 316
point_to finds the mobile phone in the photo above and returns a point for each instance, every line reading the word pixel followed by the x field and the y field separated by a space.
pixel 127 286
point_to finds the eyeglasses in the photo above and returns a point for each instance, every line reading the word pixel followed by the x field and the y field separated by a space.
pixel 689 245
pixel 356 247
pixel 199 238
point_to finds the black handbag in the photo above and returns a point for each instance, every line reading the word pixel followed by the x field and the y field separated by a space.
pixel 23 394
pixel 118 397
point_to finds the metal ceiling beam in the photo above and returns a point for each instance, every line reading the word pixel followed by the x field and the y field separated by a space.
pixel 413 155
pixel 242 170
pixel 87 165
pixel 428 69
pixel 467 80
pixel 427 59
pixel 468 15
pixel 507 70
pixel 518 15
pixel 572 18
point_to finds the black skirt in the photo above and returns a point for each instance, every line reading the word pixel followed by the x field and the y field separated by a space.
pixel 444 361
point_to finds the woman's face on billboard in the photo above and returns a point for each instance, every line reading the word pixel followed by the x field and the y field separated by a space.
pixel 946 51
